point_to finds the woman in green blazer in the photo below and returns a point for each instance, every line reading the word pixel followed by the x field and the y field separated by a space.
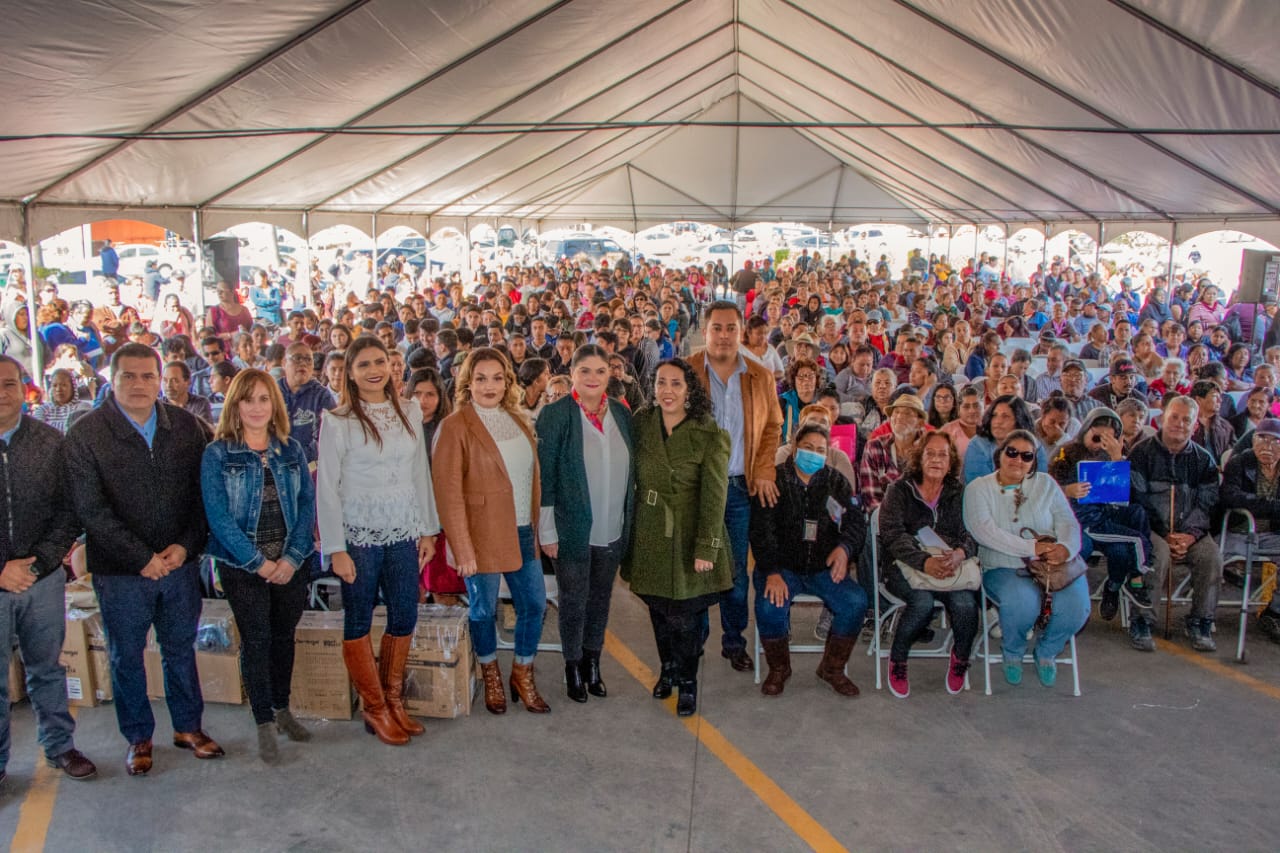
pixel 679 560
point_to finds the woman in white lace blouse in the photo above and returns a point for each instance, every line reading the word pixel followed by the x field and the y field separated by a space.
pixel 378 523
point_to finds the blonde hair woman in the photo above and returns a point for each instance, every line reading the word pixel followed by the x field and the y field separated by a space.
pixel 260 504
pixel 489 497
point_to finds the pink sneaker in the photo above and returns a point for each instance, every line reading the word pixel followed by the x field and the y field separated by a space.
pixel 956 671
pixel 898 684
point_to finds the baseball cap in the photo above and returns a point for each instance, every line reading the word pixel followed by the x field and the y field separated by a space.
pixel 1073 364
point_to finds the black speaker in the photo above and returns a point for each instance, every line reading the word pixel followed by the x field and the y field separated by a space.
pixel 221 260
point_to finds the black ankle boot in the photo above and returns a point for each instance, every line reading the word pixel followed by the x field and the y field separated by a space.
pixel 687 702
pixel 573 681
pixel 666 679
pixel 590 667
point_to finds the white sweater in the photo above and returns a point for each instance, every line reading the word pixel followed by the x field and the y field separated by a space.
pixel 371 495
pixel 989 511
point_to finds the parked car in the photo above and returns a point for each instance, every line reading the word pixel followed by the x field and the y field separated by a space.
pixel 586 250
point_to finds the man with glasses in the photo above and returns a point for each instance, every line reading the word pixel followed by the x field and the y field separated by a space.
pixel 1176 481
pixel 1250 482
pixel 212 352
pixel 304 397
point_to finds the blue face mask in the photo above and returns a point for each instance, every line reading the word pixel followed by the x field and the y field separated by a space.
pixel 810 462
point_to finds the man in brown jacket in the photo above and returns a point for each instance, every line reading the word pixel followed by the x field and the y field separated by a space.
pixel 745 402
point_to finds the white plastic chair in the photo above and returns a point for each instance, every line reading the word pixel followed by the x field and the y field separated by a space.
pixel 886 618
pixel 1074 347
pixel 553 598
pixel 796 648
pixel 988 605
pixel 1012 344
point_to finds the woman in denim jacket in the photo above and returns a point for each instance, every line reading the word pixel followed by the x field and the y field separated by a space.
pixel 261 507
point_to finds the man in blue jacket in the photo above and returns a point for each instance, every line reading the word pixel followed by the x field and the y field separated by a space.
pixel 37 528
pixel 305 398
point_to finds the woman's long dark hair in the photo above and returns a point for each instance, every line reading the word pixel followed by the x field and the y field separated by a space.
pixel 698 405
pixel 351 394
pixel 1021 416
pixel 432 376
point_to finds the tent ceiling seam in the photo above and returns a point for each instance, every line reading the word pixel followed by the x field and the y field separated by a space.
pixel 1084 105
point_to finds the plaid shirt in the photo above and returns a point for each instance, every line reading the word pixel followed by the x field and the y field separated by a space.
pixel 878 470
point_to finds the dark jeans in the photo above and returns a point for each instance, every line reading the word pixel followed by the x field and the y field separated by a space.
pixel 679 635
pixel 585 591
pixel 1117 520
pixel 528 597
pixel 130 605
pixel 393 569
pixel 846 601
pixel 35 619
pixel 266 614
pixel 734 610
pixel 961 606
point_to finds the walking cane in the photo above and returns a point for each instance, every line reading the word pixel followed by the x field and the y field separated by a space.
pixel 1168 575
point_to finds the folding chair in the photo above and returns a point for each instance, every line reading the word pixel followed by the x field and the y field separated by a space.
pixel 553 598
pixel 1250 596
pixel 1136 544
pixel 886 618
pixel 796 648
pixel 1072 660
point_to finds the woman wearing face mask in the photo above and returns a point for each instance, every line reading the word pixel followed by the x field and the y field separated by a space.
pixel 378 522
pixel 584 452
pixel 806 543
pixel 489 491
pixel 679 561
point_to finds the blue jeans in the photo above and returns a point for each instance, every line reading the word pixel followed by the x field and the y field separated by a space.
pixel 733 602
pixel 391 569
pixel 35 618
pixel 1117 520
pixel 528 596
pixel 130 605
pixel 1018 598
pixel 846 601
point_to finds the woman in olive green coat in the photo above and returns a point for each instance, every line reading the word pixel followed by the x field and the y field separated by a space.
pixel 679 560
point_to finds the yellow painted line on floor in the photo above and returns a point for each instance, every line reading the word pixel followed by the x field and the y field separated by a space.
pixel 1229 671
pixel 800 821
pixel 37 807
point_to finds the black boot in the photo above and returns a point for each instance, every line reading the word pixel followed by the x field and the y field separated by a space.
pixel 687 702
pixel 573 681
pixel 590 668
pixel 666 679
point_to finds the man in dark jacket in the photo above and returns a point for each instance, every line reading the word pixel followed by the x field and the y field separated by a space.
pixel 804 543
pixel 1171 463
pixel 37 528
pixel 1212 431
pixel 1250 483
pixel 1121 384
pixel 134 469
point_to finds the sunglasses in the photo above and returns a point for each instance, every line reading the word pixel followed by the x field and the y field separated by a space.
pixel 1027 456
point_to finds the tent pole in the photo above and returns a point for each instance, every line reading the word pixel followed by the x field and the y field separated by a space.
pixel 426 254
pixel 1044 247
pixel 375 281
pixel 1173 243
pixel 305 270
pixel 1097 246
pixel 1004 254
pixel 37 362
pixel 929 245
pixel 951 230
pixel 199 274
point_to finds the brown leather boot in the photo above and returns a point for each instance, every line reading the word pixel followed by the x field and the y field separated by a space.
pixel 395 651
pixel 495 698
pixel 831 669
pixel 358 656
pixel 524 688
pixel 777 653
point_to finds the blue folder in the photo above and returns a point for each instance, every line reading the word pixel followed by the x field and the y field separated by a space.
pixel 1110 481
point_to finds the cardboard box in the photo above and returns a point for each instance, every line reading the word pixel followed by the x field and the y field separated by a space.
pixel 217 657
pixel 98 658
pixel 75 659
pixel 321 688
pixel 440 679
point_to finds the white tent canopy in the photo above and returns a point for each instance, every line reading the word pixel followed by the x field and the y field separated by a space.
pixel 1056 112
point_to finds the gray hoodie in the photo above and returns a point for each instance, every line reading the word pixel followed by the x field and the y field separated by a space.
pixel 16 344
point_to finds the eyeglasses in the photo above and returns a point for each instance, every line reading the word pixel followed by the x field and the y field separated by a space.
pixel 1027 456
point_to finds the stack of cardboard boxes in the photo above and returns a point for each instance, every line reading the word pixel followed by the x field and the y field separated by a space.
pixel 440 678
pixel 217 656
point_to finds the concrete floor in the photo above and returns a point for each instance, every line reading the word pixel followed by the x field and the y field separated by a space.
pixel 1158 754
